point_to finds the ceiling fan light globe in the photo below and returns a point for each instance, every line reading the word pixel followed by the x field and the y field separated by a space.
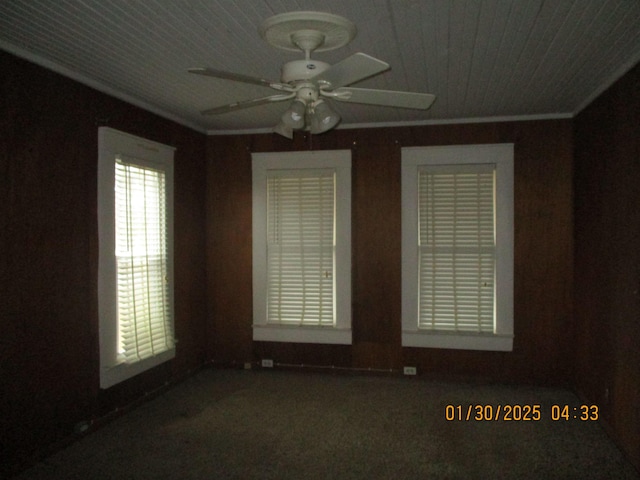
pixel 323 118
pixel 284 130
pixel 294 116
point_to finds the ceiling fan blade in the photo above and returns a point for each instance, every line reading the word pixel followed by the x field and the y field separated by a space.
pixel 384 98
pixel 246 104
pixel 237 77
pixel 351 70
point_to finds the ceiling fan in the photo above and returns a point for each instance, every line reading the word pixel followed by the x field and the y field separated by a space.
pixel 307 83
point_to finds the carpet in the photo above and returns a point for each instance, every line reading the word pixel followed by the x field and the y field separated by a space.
pixel 272 424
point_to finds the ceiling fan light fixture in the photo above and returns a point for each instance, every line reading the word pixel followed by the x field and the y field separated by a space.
pixel 284 130
pixel 294 116
pixel 323 118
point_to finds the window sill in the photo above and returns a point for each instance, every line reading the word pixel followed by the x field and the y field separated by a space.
pixel 297 334
pixel 110 376
pixel 457 341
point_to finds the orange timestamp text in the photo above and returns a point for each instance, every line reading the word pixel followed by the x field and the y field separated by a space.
pixel 519 413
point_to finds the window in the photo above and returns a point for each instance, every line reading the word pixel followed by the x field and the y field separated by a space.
pixel 302 247
pixel 457 247
pixel 135 197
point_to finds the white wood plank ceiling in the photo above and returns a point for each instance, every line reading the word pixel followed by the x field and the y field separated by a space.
pixel 483 59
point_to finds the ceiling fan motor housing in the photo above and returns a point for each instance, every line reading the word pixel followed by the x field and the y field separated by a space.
pixel 302 70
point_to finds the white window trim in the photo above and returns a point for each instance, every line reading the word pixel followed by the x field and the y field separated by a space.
pixel 340 161
pixel 502 156
pixel 110 144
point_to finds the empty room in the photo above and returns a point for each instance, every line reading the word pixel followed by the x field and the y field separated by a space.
pixel 320 239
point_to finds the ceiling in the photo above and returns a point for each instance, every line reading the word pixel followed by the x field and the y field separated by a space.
pixel 483 59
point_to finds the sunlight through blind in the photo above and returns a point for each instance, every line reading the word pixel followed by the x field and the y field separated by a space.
pixel 301 247
pixel 456 248
pixel 144 314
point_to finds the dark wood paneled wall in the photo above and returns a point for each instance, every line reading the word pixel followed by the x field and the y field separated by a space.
pixel 543 251
pixel 48 238
pixel 607 252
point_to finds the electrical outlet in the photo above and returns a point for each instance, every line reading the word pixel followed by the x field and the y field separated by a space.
pixel 267 363
pixel 247 365
pixel 410 370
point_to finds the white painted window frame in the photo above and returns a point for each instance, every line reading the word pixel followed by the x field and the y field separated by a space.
pixel 112 143
pixel 340 162
pixel 412 158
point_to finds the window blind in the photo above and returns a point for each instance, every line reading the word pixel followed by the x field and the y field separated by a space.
pixel 145 326
pixel 456 248
pixel 301 247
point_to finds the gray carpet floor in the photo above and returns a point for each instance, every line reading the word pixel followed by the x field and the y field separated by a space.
pixel 237 424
